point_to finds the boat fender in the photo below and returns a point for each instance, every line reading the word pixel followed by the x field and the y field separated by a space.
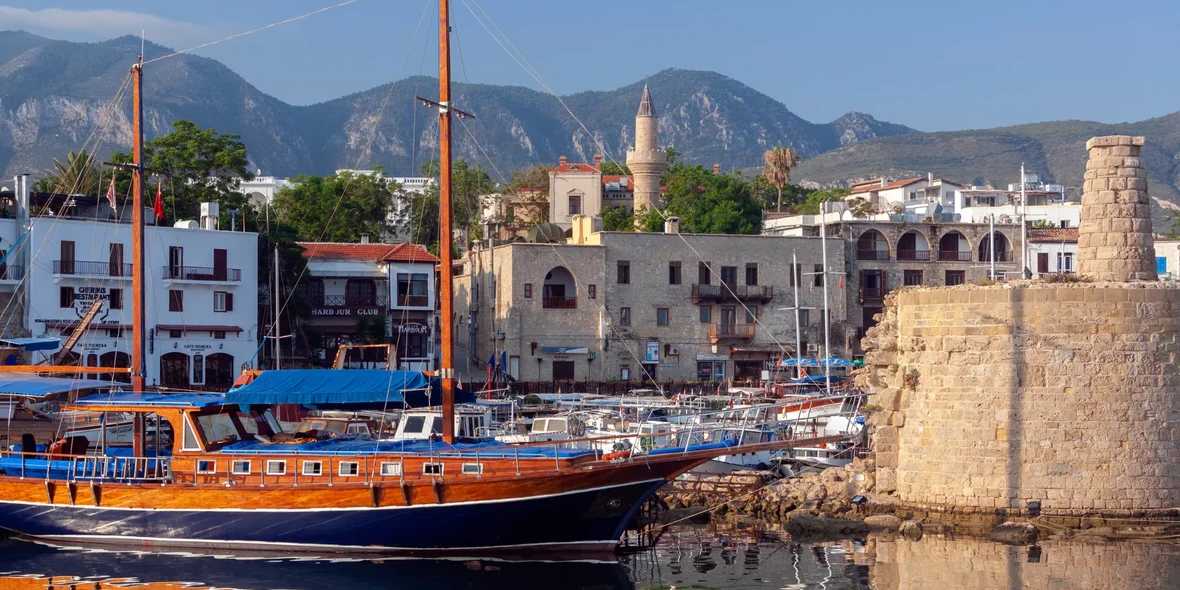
pixel 823 445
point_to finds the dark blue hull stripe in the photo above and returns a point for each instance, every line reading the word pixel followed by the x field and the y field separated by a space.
pixel 594 518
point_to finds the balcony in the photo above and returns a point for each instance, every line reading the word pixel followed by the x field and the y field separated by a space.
pixel 759 293
pixel 86 268
pixel 559 302
pixel 351 301
pixel 913 255
pixel 9 272
pixel 872 255
pixel 1000 257
pixel 954 256
pixel 731 332
pixel 201 273
pixel 413 301
pixel 872 294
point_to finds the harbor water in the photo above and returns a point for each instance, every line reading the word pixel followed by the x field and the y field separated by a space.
pixel 683 557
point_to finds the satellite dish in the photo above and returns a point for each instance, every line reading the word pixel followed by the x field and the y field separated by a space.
pixel 958 217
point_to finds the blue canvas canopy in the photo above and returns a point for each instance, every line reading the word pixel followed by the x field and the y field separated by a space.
pixel 836 363
pixel 342 387
pixel 32 386
pixel 34 344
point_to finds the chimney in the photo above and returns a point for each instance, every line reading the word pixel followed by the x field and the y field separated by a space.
pixel 598 161
pixel 562 161
pixel 929 177
pixel 364 238
pixel 672 225
pixel 717 169
pixel 882 182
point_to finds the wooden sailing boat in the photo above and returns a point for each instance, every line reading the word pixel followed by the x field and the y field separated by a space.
pixel 225 482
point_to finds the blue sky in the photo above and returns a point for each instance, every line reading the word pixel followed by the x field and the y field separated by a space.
pixel 932 65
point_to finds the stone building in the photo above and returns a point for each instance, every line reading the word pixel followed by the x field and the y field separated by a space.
pixel 1035 396
pixel 884 256
pixel 610 306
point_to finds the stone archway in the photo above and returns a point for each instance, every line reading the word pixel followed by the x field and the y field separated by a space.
pixel 559 290
pixel 872 245
pixel 1003 248
pixel 953 246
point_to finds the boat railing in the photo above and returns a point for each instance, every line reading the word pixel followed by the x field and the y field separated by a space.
pixel 89 468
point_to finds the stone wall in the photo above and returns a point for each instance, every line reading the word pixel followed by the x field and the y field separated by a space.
pixel 1115 240
pixel 992 397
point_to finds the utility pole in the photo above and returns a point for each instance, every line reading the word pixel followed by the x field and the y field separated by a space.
pixel 278 332
pixel 1024 270
pixel 798 337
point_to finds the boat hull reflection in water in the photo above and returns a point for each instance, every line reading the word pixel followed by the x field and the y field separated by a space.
pixel 589 520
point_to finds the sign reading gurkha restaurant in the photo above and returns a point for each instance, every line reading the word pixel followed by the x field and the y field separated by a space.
pixel 346 312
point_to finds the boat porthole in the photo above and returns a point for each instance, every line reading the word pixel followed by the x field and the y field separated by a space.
pixel 615 503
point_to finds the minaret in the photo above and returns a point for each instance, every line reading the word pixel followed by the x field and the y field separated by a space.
pixel 646 160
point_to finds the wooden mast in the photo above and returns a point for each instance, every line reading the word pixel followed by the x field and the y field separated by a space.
pixel 446 308
pixel 137 282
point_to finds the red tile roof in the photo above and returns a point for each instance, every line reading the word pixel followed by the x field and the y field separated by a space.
pixel 567 167
pixel 865 187
pixel 403 252
pixel 406 252
pixel 1053 235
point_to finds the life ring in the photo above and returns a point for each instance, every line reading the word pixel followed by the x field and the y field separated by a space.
pixel 823 445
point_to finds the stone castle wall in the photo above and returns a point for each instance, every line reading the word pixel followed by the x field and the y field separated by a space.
pixel 996 396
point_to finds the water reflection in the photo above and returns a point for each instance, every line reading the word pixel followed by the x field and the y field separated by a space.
pixel 697 557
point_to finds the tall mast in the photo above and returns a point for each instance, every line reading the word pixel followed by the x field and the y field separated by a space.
pixel 446 308
pixel 138 352
pixel 795 276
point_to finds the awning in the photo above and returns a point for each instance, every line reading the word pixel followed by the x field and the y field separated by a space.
pixel 767 350
pixel 836 363
pixel 157 400
pixel 34 344
pixel 92 326
pixel 319 387
pixel 565 350
pixel 198 328
pixel 26 385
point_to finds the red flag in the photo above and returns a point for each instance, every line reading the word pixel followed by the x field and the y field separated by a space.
pixel 159 206
pixel 111 193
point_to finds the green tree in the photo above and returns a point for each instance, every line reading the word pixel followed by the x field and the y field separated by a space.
pixel 205 166
pixel 337 208
pixel 776 167
pixel 78 175
pixel 860 207
pixel 811 205
pixel 617 219
pixel 469 186
pixel 707 203
pixel 614 169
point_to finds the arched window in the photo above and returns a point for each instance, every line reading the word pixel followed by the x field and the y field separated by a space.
pixel 1002 247
pixel 872 246
pixel 913 246
pixel 174 370
pixel 219 371
pixel 116 359
pixel 953 247
pixel 559 290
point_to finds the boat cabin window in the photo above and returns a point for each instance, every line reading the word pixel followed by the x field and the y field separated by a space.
pixel 468 425
pixel 191 442
pixel 240 467
pixel 206 467
pixel 276 468
pixel 350 469
pixel 358 429
pixel 415 424
pixel 313 468
pixel 432 469
pixel 472 469
pixel 391 469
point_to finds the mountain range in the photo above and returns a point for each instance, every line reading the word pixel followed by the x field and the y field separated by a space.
pixel 54 96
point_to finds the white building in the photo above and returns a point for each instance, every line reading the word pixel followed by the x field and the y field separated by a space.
pixel 262 190
pixel 392 284
pixel 919 198
pixel 1052 250
pixel 201 325
pixel 1047 203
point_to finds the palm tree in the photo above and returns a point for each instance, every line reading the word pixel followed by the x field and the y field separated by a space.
pixel 79 174
pixel 776 167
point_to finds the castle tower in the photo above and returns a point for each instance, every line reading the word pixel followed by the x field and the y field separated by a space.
pixel 646 160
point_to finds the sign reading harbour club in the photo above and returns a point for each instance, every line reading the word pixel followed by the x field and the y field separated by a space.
pixel 346 312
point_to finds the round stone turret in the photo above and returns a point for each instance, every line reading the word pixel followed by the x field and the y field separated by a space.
pixel 1114 240
pixel 646 160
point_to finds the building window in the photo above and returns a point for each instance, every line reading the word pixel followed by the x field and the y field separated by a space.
pixel 575 204
pixel 662 318
pixel 65 296
pixel 819 275
pixel 219 334
pixel 276 468
pixel 624 272
pixel 674 273
pixel 955 277
pixel 706 314
pixel 412 289
pixel 219 301
pixel 313 468
pixel 240 468
pixel 804 317
pixel 624 372
pixel 392 469
pixel 751 273
pixel 912 278
pixel 176 333
pixel 592 290
pixel 116 299
pixel 704 275
pixel 1065 262
pixel 350 469
pixel 175 300
pixel 797 276
pixel 751 314
pixel 625 316
pixel 729 275
pixel 528 290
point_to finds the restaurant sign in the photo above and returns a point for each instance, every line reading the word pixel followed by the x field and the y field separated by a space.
pixel 346 312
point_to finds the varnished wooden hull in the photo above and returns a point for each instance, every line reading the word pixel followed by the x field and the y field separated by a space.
pixel 567 512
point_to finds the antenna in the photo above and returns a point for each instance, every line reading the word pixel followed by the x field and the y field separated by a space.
pixel 142 43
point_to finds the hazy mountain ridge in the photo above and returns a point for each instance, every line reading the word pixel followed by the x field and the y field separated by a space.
pixel 52 94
